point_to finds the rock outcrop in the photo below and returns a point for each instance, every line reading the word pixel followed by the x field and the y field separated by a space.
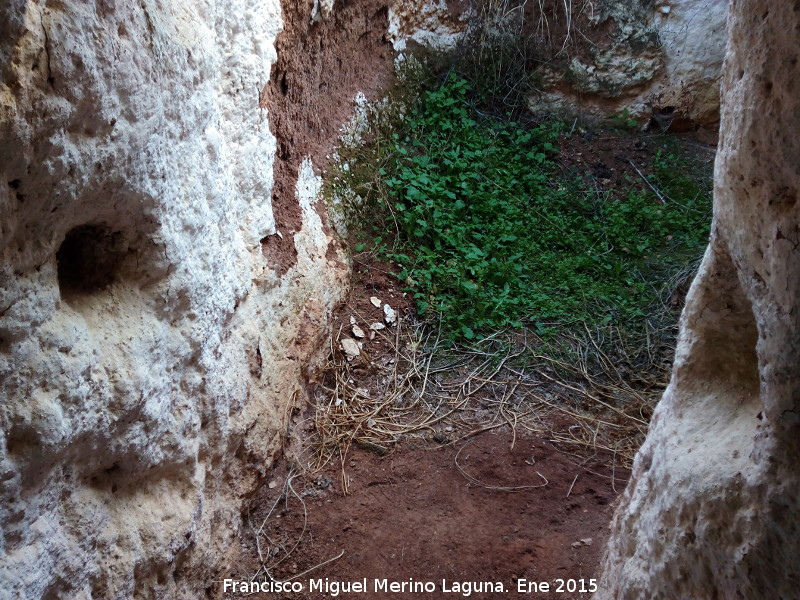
pixel 434 24
pixel 711 510
pixel 150 349
pixel 657 60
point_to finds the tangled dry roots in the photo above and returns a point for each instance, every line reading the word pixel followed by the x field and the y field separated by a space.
pixel 591 392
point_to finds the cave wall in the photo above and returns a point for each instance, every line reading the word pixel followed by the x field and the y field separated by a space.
pixel 151 349
pixel 711 510
pixel 659 60
pixel 656 60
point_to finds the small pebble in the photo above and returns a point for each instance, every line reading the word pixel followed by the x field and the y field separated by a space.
pixel 389 314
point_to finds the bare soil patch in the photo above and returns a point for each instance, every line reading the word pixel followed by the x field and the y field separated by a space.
pixel 415 515
pixel 449 502
pixel 614 159
pixel 321 67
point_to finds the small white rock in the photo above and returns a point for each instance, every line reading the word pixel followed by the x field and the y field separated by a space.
pixel 358 332
pixel 352 320
pixel 389 314
pixel 375 302
pixel 350 347
pixel 377 326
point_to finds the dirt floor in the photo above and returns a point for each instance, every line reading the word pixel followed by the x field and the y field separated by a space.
pixel 474 511
pixel 448 505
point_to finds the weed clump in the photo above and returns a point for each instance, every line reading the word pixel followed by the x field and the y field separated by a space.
pixel 490 232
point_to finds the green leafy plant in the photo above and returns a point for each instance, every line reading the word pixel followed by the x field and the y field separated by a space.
pixel 624 120
pixel 490 233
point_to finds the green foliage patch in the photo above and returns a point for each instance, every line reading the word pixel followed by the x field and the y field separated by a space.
pixel 490 232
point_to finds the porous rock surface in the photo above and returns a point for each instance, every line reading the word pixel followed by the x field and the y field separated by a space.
pixel 149 352
pixel 436 24
pixel 657 59
pixel 711 510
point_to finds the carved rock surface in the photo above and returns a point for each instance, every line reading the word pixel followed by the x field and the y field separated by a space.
pixel 712 510
pixel 148 350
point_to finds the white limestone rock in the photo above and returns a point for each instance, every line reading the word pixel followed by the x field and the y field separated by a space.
pixel 712 510
pixel 321 10
pixel 147 352
pixel 429 23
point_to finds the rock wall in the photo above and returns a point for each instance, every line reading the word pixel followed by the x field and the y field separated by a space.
pixel 435 24
pixel 328 53
pixel 150 348
pixel 712 510
pixel 657 59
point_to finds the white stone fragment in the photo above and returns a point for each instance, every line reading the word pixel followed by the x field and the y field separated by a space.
pixel 376 302
pixel 350 347
pixel 389 314
pixel 321 10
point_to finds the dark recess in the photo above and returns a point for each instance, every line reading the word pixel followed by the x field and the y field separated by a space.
pixel 89 259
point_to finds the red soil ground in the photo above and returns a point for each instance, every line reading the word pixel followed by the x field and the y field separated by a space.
pixel 417 514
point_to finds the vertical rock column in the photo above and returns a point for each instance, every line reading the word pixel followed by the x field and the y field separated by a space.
pixel 150 353
pixel 712 509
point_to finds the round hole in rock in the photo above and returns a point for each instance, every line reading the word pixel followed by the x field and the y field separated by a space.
pixel 89 259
